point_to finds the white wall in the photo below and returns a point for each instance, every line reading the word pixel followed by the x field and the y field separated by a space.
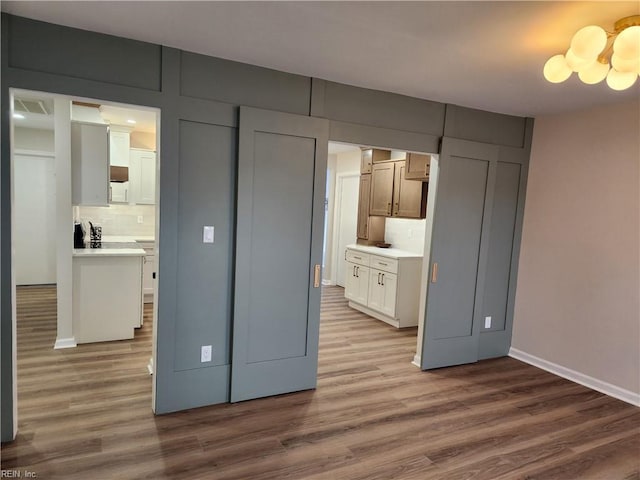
pixel 146 140
pixel 338 164
pixel 33 139
pixel 122 219
pixel 578 295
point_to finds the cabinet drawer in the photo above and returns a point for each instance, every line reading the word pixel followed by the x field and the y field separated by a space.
pixel 384 263
pixel 357 257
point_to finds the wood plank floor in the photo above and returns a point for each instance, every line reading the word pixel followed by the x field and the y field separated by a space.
pixel 85 413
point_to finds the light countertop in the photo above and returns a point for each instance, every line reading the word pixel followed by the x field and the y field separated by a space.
pixel 108 252
pixel 128 238
pixel 384 252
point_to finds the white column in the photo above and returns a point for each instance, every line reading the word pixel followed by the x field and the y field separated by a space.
pixel 64 223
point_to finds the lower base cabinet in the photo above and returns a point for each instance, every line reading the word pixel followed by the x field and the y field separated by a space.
pixel 148 268
pixel 107 296
pixel 384 287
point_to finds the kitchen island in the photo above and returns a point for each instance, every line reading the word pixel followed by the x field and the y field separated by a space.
pixel 107 293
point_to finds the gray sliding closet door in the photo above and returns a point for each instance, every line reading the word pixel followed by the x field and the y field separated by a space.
pixel 280 216
pixel 458 253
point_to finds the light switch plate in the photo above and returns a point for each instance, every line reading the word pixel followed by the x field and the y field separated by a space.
pixel 207 234
pixel 487 322
pixel 205 353
pixel 140 219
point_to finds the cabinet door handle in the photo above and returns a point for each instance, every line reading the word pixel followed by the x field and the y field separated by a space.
pixel 434 273
pixel 388 208
pixel 358 272
pixel 354 271
pixel 426 169
pixel 316 276
pixel 382 283
pixel 397 208
pixel 378 278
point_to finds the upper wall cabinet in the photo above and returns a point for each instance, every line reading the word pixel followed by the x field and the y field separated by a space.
pixel 142 176
pixel 381 198
pixel 418 166
pixel 392 195
pixel 89 164
pixel 119 142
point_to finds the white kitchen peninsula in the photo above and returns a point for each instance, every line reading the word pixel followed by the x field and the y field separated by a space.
pixel 384 283
pixel 107 293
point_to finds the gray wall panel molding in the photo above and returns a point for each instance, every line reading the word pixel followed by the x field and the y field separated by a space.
pixel 206 185
pixel 318 87
pixel 497 343
pixel 346 103
pixel 243 84
pixel 382 137
pixel 77 87
pixel 45 47
pixel 188 87
pixel 487 127
pixel 208 111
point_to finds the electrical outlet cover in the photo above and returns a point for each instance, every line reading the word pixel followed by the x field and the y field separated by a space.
pixel 487 322
pixel 205 353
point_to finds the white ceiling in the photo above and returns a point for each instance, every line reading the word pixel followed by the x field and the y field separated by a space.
pixel 486 55
pixel 145 120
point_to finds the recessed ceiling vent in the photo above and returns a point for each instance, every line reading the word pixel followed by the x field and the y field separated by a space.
pixel 31 106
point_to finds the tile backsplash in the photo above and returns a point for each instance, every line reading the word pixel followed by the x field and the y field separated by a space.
pixel 405 234
pixel 122 219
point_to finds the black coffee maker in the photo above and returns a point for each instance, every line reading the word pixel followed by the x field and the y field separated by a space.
pixel 78 235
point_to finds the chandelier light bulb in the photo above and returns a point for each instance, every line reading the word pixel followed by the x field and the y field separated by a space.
pixel 574 62
pixel 595 72
pixel 620 80
pixel 588 42
pixel 596 54
pixel 556 69
pixel 627 44
pixel 625 65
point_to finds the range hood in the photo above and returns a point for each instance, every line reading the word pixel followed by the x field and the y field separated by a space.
pixel 119 174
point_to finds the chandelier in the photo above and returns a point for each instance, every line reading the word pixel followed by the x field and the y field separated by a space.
pixel 596 54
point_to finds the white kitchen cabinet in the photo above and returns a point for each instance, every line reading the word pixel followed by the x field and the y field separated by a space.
pixel 356 286
pixel 383 291
pixel 394 278
pixel 356 282
pixel 142 176
pixel 119 143
pixel 89 164
pixel 107 294
pixel 148 268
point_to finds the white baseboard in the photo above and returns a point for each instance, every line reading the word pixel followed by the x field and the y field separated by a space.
pixel 417 361
pixel 65 343
pixel 564 372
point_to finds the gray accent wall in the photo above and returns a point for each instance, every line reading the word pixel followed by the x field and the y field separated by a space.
pixel 199 99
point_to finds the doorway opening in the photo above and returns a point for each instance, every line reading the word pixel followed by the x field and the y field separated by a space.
pixel 85 223
pixel 375 232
